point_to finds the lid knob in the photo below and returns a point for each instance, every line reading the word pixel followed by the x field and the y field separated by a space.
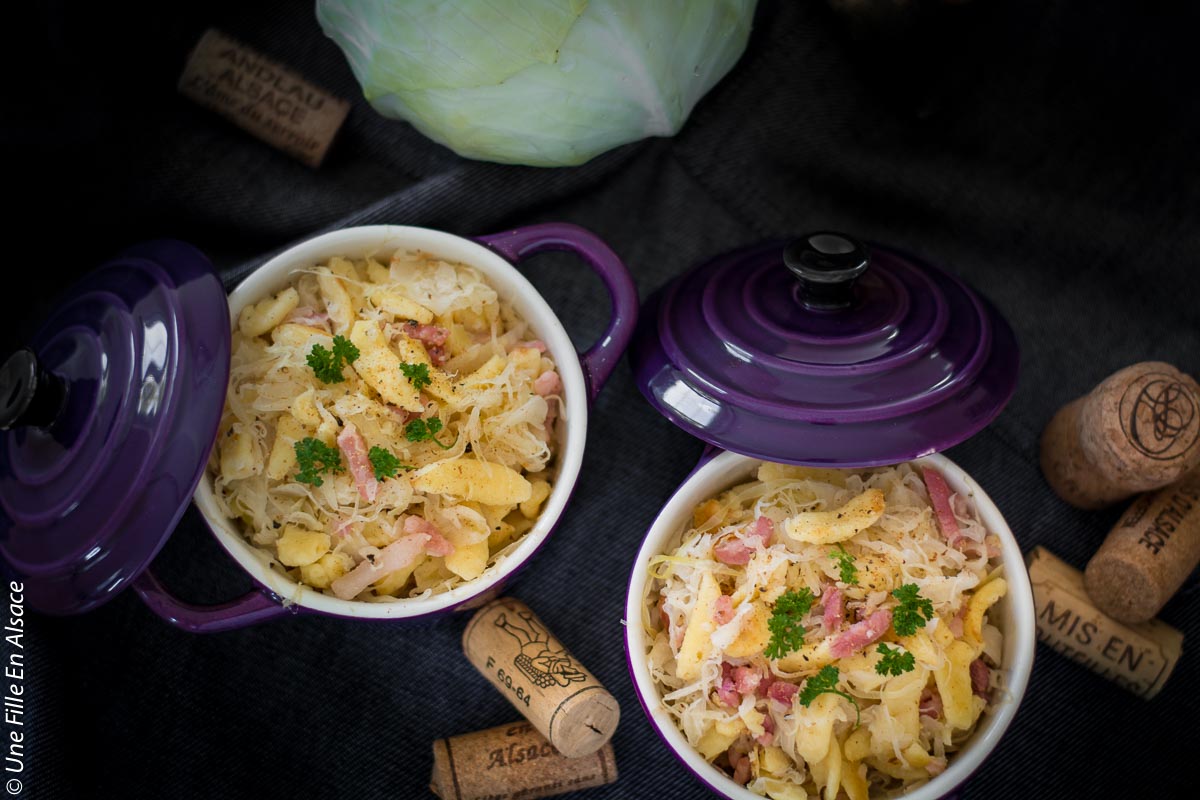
pixel 827 265
pixel 29 395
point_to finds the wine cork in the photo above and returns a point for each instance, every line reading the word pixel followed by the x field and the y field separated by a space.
pixel 1148 554
pixel 513 762
pixel 1137 431
pixel 529 666
pixel 1139 657
pixel 262 97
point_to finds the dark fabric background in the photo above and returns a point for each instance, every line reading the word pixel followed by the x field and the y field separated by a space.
pixel 1045 151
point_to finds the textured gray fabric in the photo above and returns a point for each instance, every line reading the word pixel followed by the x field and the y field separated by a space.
pixel 1045 152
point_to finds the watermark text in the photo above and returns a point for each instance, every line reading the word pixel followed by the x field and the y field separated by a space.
pixel 13 738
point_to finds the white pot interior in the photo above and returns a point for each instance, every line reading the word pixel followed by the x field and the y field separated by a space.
pixel 382 240
pixel 1014 615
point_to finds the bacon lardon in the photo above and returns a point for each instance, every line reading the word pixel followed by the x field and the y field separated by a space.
pixel 354 448
pixel 861 634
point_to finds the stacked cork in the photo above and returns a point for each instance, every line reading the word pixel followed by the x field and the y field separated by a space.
pixel 1137 432
pixel 1137 657
pixel 564 743
pixel 513 761
pixel 1149 553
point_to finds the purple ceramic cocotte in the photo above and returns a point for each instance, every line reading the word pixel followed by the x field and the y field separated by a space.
pixel 825 352
pixel 108 419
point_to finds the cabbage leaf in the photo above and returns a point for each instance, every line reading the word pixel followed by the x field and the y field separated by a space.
pixel 540 82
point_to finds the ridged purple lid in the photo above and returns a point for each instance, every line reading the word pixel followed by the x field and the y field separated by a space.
pixel 107 421
pixel 822 351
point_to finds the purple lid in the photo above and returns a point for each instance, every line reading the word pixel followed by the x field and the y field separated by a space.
pixel 824 352
pixel 107 421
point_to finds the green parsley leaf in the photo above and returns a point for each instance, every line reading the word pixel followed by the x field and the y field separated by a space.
pixel 417 374
pixel 328 364
pixel 895 661
pixel 825 682
pixel 345 349
pixel 913 612
pixel 787 632
pixel 324 365
pixel 426 430
pixel 385 464
pixel 845 564
pixel 315 457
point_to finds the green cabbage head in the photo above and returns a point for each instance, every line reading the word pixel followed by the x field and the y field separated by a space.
pixel 540 82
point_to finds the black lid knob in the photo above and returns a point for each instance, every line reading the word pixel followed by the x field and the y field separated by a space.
pixel 827 265
pixel 29 395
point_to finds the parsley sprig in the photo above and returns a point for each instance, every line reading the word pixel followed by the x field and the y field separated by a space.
pixel 426 430
pixel 825 682
pixel 314 457
pixel 328 364
pixel 895 661
pixel 787 631
pixel 913 612
pixel 384 463
pixel 845 565
pixel 417 374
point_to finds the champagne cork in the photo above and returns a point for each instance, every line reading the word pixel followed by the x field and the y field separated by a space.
pixel 1136 657
pixel 513 762
pixel 528 665
pixel 1137 431
pixel 262 97
pixel 1148 554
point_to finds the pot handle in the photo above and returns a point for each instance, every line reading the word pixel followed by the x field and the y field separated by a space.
pixel 601 358
pixel 256 605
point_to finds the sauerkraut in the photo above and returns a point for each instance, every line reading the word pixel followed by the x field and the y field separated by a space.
pixel 819 631
pixel 389 429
